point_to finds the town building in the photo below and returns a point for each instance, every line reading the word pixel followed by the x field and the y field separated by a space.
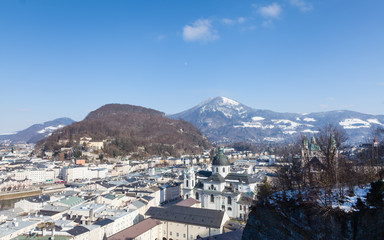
pixel 220 189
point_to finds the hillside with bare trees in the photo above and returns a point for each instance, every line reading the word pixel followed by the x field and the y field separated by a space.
pixel 127 129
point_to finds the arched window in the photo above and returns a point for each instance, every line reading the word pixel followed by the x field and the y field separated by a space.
pixel 193 183
pixel 229 200
pixel 212 187
pixel 187 183
pixel 187 196
pixel 217 169
pixel 197 196
pixel 240 207
pixel 212 198
pixel 229 209
pixel 223 169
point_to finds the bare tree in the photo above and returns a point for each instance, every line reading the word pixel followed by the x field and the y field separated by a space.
pixel 330 138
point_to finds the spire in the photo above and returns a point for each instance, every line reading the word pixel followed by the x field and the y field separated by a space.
pixel 333 141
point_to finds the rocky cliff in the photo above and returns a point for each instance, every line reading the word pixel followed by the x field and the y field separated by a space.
pixel 311 222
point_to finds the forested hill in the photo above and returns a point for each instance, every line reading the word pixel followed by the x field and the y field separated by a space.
pixel 127 128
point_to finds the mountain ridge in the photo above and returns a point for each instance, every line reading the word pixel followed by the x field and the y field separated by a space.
pixel 224 120
pixel 37 131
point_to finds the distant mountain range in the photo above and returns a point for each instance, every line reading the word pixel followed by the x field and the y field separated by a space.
pixel 224 120
pixel 221 119
pixel 37 132
pixel 125 129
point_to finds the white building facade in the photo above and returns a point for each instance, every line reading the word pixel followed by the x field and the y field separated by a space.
pixel 221 189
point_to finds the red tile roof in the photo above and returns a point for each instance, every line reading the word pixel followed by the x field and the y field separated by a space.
pixel 189 202
pixel 135 230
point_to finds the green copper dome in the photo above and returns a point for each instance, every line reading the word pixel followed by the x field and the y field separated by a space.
pixel 220 159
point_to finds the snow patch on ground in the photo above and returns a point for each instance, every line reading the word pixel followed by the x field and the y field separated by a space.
pixel 309 119
pixel 354 123
pixel 50 129
pixel 289 132
pixel 253 125
pixel 272 139
pixel 286 124
pixel 375 121
pixel 257 118
pixel 347 204
pixel 309 131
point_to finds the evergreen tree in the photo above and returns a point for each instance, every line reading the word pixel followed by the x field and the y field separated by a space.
pixel 376 194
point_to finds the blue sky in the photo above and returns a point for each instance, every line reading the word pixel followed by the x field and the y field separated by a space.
pixel 65 58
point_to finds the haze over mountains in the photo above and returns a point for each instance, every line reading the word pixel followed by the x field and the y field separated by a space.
pixel 224 120
pixel 37 132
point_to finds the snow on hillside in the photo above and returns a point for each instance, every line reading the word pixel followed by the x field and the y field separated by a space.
pixel 227 101
pixel 273 139
pixel 228 107
pixel 289 132
pixel 347 203
pixel 222 119
pixel 50 129
pixel 254 125
pixel 309 119
pixel 257 118
pixel 354 123
pixel 286 124
pixel 309 131
pixel 375 121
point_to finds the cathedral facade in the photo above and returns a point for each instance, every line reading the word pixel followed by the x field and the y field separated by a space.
pixel 220 189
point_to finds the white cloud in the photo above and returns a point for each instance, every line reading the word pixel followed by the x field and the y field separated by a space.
pixel 241 20
pixel 302 5
pixel 267 23
pixel 201 30
pixel 270 11
pixel 227 21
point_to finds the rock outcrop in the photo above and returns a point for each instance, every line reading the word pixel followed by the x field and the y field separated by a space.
pixel 313 222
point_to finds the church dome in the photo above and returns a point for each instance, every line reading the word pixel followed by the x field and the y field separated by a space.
pixel 220 159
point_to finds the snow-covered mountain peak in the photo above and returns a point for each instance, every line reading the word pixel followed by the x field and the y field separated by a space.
pixel 228 102
pixel 228 107
pixel 225 120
